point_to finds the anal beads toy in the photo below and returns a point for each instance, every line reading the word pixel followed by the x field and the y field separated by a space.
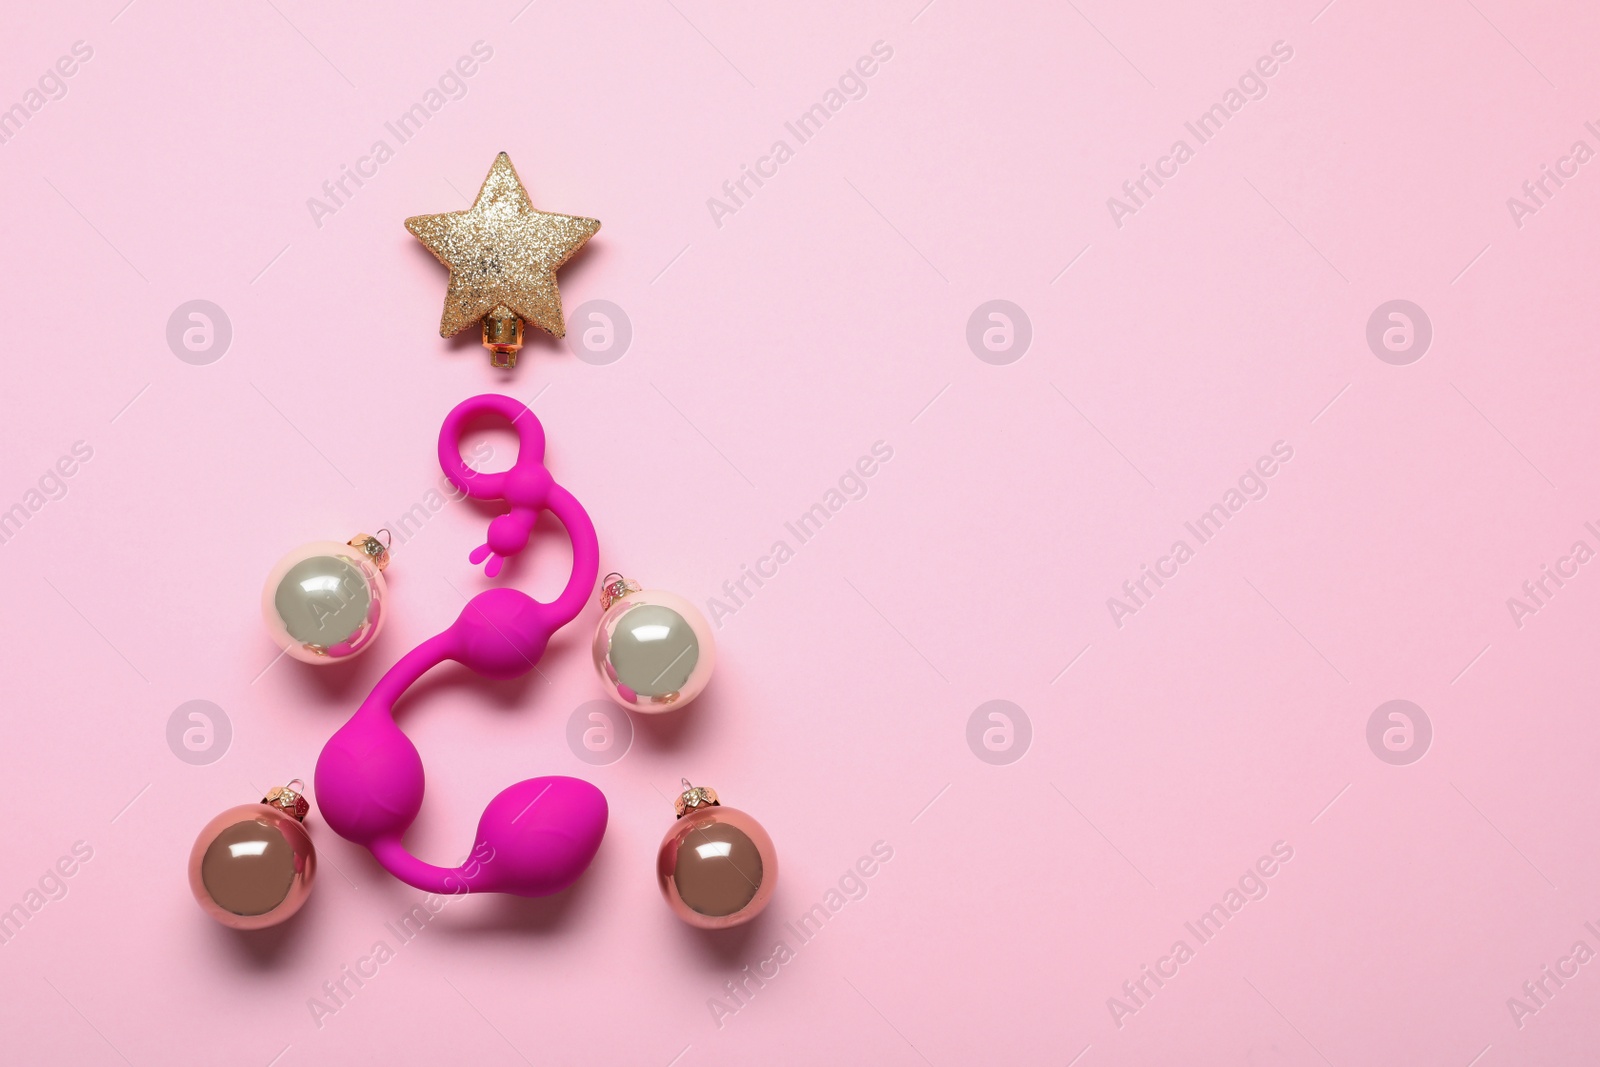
pixel 537 836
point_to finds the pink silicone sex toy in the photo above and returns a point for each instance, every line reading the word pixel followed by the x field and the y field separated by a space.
pixel 537 836
pixel 527 486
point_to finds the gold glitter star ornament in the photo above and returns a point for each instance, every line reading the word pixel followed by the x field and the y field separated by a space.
pixel 503 254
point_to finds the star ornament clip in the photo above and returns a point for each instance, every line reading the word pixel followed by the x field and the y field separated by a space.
pixel 502 254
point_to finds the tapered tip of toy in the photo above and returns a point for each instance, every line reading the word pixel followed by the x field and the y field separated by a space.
pixel 479 554
pixel 543 834
pixel 492 568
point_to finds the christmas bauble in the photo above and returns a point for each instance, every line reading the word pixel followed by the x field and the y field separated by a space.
pixel 325 601
pixel 716 866
pixel 252 866
pixel 654 650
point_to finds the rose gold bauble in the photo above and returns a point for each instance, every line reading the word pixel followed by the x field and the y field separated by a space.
pixel 716 866
pixel 252 866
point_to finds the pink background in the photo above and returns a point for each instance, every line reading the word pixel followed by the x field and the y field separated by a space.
pixel 830 312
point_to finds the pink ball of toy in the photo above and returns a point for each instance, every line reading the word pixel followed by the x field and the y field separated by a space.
pixel 501 633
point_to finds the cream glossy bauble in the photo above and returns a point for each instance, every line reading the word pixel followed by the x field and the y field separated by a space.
pixel 325 601
pixel 653 650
